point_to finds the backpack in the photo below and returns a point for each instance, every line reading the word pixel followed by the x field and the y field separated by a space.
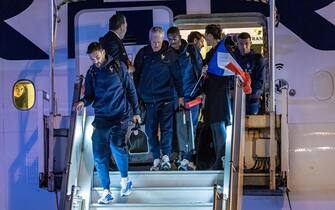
pixel 192 51
pixel 114 64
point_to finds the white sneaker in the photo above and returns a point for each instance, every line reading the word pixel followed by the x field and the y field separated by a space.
pixel 183 165
pixel 155 166
pixel 106 197
pixel 126 186
pixel 186 165
pixel 165 164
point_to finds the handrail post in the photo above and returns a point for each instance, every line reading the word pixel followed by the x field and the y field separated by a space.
pixel 272 109
pixel 233 163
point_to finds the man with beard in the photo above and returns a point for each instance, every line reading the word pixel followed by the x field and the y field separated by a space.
pixel 189 63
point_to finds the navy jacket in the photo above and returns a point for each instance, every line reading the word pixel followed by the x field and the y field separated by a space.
pixel 114 46
pixel 156 75
pixel 254 64
pixel 189 62
pixel 109 95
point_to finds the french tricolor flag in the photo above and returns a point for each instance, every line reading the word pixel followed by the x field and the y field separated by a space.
pixel 223 64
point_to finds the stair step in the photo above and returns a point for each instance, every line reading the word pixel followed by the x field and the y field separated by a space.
pixel 159 195
pixel 113 206
pixel 167 178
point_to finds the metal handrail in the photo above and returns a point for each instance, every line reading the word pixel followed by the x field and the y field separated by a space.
pixel 76 126
pixel 233 163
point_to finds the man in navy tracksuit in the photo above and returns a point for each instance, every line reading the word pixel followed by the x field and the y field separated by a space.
pixel 255 65
pixel 157 79
pixel 108 86
pixel 189 63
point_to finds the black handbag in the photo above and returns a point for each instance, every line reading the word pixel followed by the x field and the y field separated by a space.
pixel 138 141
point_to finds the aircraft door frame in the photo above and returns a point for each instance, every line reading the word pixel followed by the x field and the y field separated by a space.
pixel 3 198
pixel 233 178
pixel 162 16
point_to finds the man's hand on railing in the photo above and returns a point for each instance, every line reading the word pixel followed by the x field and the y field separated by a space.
pixel 78 106
pixel 244 76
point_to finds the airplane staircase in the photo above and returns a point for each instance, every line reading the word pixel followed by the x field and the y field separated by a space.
pixel 154 190
pixel 179 190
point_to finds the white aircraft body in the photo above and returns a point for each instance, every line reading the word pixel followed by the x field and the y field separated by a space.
pixel 304 61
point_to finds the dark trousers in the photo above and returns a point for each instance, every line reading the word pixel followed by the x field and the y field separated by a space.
pixel 159 114
pixel 219 140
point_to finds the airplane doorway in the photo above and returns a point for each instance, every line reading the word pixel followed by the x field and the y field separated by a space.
pixel 2 134
pixel 232 25
pixel 238 148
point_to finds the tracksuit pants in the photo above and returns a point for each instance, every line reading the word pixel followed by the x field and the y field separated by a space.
pixel 106 141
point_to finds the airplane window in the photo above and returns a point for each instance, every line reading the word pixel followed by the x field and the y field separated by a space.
pixel 24 95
